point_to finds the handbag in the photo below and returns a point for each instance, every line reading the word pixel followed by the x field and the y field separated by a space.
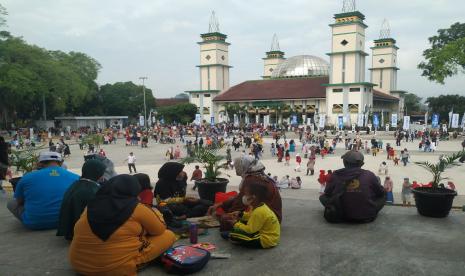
pixel 184 259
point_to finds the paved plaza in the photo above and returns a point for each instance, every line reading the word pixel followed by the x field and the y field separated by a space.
pixel 399 242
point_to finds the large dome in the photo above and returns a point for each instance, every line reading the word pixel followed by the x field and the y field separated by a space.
pixel 301 66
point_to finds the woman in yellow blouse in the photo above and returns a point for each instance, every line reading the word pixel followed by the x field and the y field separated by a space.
pixel 116 234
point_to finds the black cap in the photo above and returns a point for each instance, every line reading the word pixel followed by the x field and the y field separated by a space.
pixel 353 157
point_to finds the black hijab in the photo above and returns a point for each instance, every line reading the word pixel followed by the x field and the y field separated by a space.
pixel 167 186
pixel 144 181
pixel 113 205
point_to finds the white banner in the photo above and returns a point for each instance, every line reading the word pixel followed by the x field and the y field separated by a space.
pixel 309 121
pixel 455 120
pixel 366 120
pixel 197 119
pixel 141 121
pixel 387 127
pixel 31 134
pixel 394 120
pixel 322 121
pixel 360 120
pixel 463 121
pixel 406 123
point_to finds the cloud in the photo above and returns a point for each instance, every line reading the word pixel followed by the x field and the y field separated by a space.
pixel 157 38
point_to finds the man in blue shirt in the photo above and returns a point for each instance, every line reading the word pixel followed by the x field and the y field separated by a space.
pixel 38 194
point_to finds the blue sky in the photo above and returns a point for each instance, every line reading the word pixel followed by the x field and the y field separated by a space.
pixel 157 38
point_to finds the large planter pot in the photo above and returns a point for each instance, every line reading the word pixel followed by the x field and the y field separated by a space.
pixel 208 189
pixel 434 202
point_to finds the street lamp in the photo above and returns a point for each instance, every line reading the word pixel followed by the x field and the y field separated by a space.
pixel 145 106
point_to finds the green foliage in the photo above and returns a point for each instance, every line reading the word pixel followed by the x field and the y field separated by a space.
pixel 447 54
pixel 444 163
pixel 29 73
pixel 444 103
pixel 412 102
pixel 125 98
pixel 181 113
pixel 93 139
pixel 210 160
pixel 25 160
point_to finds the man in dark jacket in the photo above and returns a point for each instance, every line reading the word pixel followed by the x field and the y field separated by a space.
pixel 364 196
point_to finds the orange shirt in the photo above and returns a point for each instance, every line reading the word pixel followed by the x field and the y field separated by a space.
pixel 125 248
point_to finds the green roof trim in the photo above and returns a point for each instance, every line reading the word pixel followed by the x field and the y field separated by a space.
pixel 349 23
pixel 381 47
pixel 349 14
pixel 348 52
pixel 391 67
pixel 350 84
pixel 214 41
pixel 202 91
pixel 217 64
pixel 267 104
pixel 275 52
pixel 213 34
pixel 385 40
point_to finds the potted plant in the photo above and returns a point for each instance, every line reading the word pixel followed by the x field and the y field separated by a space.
pixel 25 161
pixel 435 200
pixel 211 183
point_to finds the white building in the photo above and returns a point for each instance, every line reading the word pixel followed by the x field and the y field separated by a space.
pixel 304 86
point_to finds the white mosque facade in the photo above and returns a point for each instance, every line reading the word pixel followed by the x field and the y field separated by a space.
pixel 304 87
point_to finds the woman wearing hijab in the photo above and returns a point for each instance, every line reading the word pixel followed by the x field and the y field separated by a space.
pixel 247 166
pixel 116 234
pixel 171 189
pixel 78 196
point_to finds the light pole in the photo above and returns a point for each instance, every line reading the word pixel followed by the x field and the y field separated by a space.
pixel 145 106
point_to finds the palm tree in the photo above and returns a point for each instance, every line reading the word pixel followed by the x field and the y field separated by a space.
pixel 444 163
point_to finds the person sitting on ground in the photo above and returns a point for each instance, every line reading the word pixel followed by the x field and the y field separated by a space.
pixel 296 183
pixel 383 168
pixel 284 183
pixel 258 227
pixel 246 167
pixel 38 195
pixel 117 234
pixel 362 194
pixel 171 189
pixel 146 194
pixel 78 196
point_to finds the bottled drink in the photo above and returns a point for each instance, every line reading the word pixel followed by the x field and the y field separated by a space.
pixel 193 228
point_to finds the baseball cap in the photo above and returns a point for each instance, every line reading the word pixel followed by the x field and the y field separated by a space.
pixel 353 157
pixel 50 156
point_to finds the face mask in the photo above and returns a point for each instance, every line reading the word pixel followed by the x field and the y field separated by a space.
pixel 245 200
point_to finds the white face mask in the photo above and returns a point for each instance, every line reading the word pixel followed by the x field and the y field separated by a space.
pixel 245 200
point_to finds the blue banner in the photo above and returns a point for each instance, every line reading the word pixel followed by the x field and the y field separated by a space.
pixel 375 121
pixel 212 121
pixel 340 121
pixel 435 121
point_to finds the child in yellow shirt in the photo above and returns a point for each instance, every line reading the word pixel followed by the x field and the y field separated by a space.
pixel 258 227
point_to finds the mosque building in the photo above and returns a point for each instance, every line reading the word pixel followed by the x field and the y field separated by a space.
pixel 305 88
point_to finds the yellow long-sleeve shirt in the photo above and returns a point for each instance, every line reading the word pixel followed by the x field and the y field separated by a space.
pixel 263 220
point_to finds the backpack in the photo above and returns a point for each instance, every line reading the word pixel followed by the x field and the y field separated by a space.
pixel 184 259
pixel 334 211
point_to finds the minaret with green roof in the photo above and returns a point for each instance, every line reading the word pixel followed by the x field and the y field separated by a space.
pixel 214 70
pixel 347 93
pixel 273 58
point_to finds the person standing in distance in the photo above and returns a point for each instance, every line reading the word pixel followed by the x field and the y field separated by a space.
pixel 131 162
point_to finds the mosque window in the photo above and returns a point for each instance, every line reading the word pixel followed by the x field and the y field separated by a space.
pixel 271 70
pixel 206 95
pixel 354 89
pixel 208 57
pixel 381 61
pixel 337 89
pixel 344 42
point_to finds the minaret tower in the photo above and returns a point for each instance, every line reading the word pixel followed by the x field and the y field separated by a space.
pixel 347 93
pixel 214 70
pixel 274 57
pixel 384 61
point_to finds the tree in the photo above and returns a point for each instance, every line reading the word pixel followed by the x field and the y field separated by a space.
pixel 181 113
pixel 125 98
pixel 445 103
pixel 447 54
pixel 412 102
